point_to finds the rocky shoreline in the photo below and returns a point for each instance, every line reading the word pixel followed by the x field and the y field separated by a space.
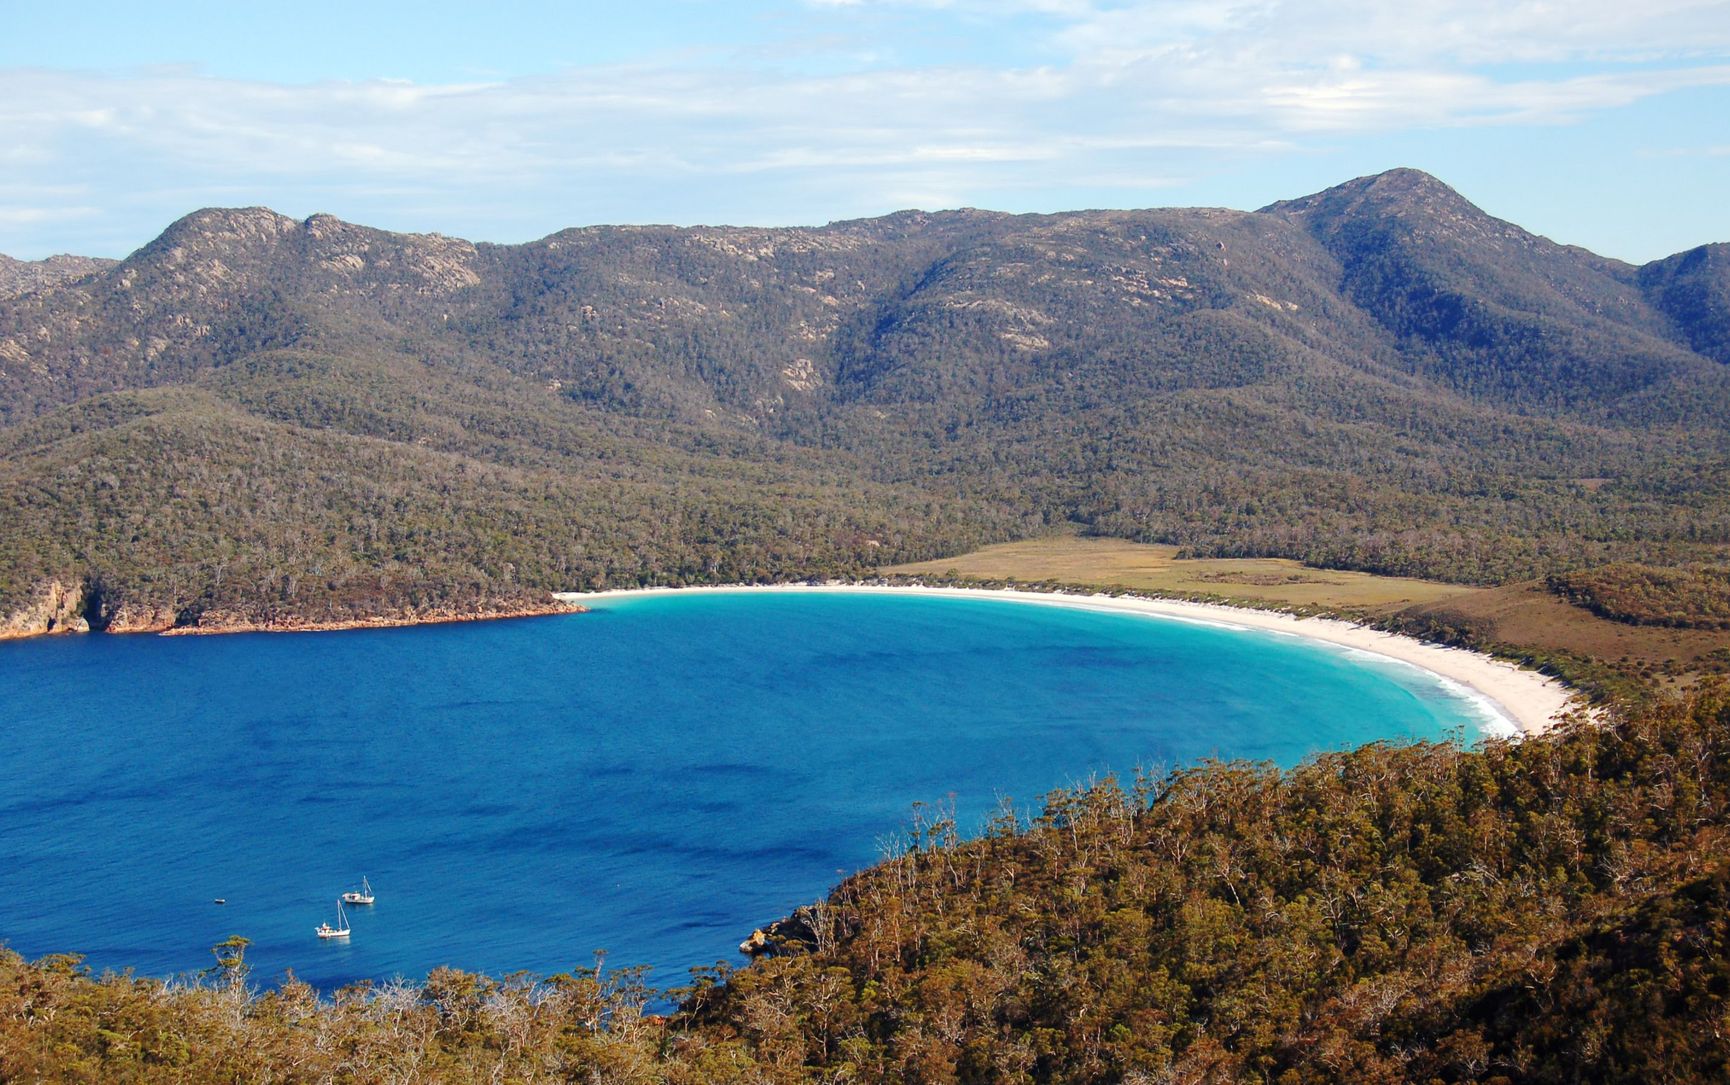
pixel 429 616
pixel 62 609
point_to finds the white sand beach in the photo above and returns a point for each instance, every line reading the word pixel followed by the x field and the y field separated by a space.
pixel 1516 701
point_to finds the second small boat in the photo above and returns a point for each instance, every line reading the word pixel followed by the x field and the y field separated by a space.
pixel 363 895
pixel 325 930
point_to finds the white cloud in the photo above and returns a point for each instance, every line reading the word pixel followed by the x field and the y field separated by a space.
pixel 1136 90
pixel 31 216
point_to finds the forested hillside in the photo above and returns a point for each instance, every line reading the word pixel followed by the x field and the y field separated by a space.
pixel 259 420
pixel 1693 289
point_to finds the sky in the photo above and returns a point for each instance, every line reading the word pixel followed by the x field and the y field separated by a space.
pixel 1602 123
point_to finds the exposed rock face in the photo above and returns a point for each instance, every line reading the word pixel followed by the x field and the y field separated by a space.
pixel 216 280
pixel 134 618
pixel 219 621
pixel 85 608
pixel 756 945
pixel 22 276
pixel 428 264
pixel 56 609
pixel 797 933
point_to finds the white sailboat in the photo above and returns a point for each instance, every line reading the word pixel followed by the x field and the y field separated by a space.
pixel 325 930
pixel 361 896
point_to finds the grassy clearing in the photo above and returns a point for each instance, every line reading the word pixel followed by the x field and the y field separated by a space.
pixel 1106 563
pixel 1529 616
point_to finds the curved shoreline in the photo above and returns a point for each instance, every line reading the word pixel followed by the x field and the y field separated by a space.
pixel 1518 701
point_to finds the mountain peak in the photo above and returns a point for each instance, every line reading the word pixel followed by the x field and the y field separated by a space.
pixel 1395 190
pixel 1403 179
pixel 229 223
pixel 209 231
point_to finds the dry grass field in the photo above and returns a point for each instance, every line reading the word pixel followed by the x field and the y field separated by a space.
pixel 1518 615
pixel 1528 616
pixel 1071 559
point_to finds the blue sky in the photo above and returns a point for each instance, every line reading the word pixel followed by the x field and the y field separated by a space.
pixel 1603 124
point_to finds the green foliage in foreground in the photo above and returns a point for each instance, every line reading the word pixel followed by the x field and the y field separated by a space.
pixel 1553 911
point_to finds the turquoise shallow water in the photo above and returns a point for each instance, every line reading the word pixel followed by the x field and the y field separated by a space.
pixel 654 778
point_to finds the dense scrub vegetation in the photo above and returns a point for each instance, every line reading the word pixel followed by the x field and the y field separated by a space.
pixel 1552 911
pixel 1692 597
pixel 258 416
pixel 175 501
pixel 1693 288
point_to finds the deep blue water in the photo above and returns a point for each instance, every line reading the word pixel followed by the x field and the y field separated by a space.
pixel 655 778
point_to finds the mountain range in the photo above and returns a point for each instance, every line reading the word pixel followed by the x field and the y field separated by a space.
pixel 260 421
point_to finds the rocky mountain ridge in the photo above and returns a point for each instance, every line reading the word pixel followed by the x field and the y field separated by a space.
pixel 1379 375
pixel 650 319
pixel 22 276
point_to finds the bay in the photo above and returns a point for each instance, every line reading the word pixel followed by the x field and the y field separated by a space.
pixel 654 778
